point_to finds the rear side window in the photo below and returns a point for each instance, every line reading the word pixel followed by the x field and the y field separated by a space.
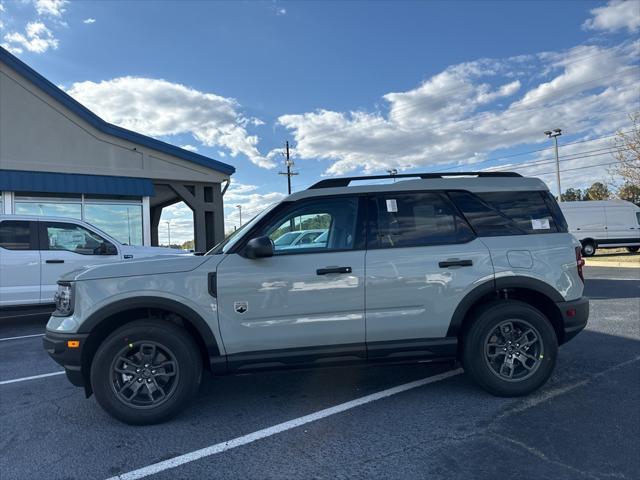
pixel 510 213
pixel 17 235
pixel 415 219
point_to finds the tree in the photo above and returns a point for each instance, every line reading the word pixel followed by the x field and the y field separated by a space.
pixel 597 191
pixel 630 193
pixel 627 152
pixel 572 195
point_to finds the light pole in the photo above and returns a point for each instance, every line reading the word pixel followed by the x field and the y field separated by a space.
pixel 240 212
pixel 555 133
pixel 168 231
pixel 393 172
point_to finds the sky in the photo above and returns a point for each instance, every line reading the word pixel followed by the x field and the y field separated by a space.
pixel 355 87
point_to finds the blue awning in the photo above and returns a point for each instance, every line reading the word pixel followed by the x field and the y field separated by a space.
pixel 47 182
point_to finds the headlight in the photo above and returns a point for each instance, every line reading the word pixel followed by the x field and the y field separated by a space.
pixel 63 300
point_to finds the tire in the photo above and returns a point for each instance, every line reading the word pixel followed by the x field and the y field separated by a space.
pixel 158 392
pixel 633 249
pixel 476 355
pixel 588 249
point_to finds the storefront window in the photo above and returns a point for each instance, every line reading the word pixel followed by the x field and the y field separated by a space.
pixel 50 207
pixel 122 221
pixel 120 217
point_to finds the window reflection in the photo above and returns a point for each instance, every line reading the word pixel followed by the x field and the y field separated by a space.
pixel 122 222
pixel 71 210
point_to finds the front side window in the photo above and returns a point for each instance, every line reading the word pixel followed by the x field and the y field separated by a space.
pixel 17 235
pixel 414 219
pixel 77 239
pixel 638 217
pixel 296 229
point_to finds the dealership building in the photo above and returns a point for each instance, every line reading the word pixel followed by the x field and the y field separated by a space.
pixel 57 158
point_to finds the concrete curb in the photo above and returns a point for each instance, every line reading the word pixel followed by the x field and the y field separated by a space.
pixel 591 263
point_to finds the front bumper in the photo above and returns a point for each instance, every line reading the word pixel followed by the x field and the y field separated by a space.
pixel 575 314
pixel 57 346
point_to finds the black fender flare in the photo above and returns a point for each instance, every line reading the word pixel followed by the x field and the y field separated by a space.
pixel 494 286
pixel 152 302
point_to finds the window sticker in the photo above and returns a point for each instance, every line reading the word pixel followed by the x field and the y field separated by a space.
pixel 540 224
pixel 392 205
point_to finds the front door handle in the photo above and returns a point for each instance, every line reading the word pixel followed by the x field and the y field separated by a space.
pixel 325 271
pixel 455 263
pixel 54 261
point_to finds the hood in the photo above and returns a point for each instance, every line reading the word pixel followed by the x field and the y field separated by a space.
pixel 147 266
pixel 139 251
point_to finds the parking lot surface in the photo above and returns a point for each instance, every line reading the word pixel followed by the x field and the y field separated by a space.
pixel 585 423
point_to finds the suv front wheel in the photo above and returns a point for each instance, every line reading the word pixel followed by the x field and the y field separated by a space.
pixel 510 348
pixel 146 372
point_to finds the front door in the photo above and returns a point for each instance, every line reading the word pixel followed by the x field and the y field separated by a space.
pixel 304 304
pixel 66 247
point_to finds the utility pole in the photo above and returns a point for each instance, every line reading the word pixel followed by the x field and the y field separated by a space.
pixel 240 212
pixel 289 163
pixel 169 231
pixel 555 134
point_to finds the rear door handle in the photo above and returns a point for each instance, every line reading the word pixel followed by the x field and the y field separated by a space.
pixel 455 263
pixel 325 271
pixel 54 261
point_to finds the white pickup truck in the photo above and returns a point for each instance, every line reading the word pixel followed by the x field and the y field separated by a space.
pixel 35 251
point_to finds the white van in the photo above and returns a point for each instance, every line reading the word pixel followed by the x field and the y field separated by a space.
pixel 603 224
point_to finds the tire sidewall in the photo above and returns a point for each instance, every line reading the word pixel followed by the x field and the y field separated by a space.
pixel 586 246
pixel 474 349
pixel 164 333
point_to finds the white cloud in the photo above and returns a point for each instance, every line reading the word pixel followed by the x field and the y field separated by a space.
pixel 281 11
pixel 89 20
pixel 160 108
pixel 457 113
pixel 251 200
pixel 53 8
pixel 191 148
pixel 616 15
pixel 37 38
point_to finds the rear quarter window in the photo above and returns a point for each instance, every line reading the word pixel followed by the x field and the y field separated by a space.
pixel 510 213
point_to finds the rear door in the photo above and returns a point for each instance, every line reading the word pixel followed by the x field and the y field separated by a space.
pixel 19 263
pixel 422 259
pixel 66 247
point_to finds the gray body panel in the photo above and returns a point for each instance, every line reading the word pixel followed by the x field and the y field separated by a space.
pixel 288 304
pixel 549 258
pixel 410 296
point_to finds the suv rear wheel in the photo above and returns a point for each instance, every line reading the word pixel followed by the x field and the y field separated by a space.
pixel 146 372
pixel 510 349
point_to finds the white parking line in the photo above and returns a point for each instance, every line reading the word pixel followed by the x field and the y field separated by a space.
pixel 281 427
pixel 33 377
pixel 22 336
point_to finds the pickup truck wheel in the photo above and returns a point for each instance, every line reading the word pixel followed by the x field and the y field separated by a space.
pixel 510 349
pixel 146 372
pixel 633 249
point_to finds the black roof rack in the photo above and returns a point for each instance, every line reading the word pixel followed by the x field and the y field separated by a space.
pixel 345 181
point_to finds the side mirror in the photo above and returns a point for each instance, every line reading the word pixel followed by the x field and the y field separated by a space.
pixel 259 247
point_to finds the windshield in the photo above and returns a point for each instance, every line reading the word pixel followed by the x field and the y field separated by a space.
pixel 231 239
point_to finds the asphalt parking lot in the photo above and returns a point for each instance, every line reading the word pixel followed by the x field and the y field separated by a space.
pixel 585 423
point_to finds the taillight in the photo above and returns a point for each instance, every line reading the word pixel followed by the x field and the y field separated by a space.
pixel 580 263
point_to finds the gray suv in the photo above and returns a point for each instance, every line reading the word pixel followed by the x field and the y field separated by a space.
pixel 475 267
